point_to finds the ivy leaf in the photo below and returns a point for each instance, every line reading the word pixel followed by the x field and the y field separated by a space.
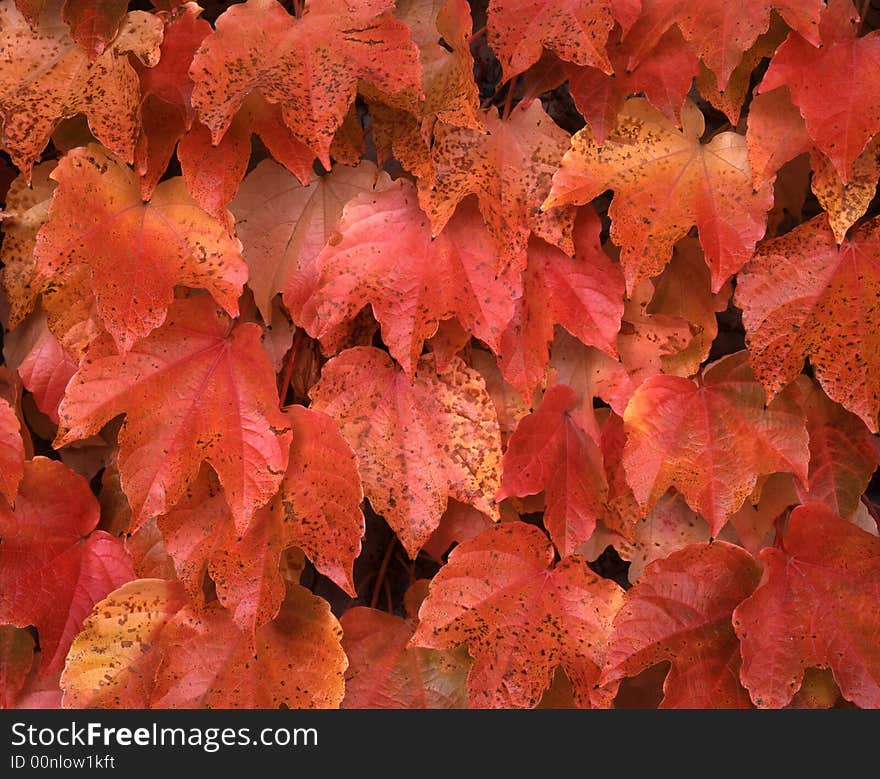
pixel 418 441
pixel 11 452
pixel 310 66
pixel 816 607
pixel 680 611
pixel 665 181
pixel 192 391
pixel 135 252
pixel 803 296
pixel 501 595
pixel 710 441
pixel 54 565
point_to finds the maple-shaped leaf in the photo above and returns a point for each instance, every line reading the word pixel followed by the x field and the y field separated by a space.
pixel 11 452
pixel 384 672
pixel 113 660
pixel 136 252
pixel 710 441
pixel 520 617
pixel 54 565
pixel 665 181
pixel 576 31
pixel 584 294
pixel 550 452
pixel 418 441
pixel 283 226
pixel 16 659
pixel 24 213
pixel 834 86
pixel 295 661
pixel 803 296
pixel 45 77
pixel 718 30
pixel 664 77
pixel 843 453
pixel 310 66
pixel 777 134
pixel 508 166
pixel 816 607
pixel 454 275
pixel 680 611
pixel 195 390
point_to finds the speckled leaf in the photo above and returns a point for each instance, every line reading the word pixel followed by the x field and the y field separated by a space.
pixel 310 66
pixel 136 252
pixel 192 391
pixel 664 77
pixel 804 297
pixel 113 660
pixel 843 453
pixel 576 31
pixel 720 31
pixel 54 565
pixel 418 441
pixel 385 673
pixel 834 86
pixel 283 226
pixel 295 661
pixel 45 77
pixel 509 167
pixel 520 617
pixel 549 452
pixel 24 213
pixel 454 275
pixel 16 659
pixel 816 607
pixel 710 441
pixel 11 452
pixel 665 181
pixel 680 611
pixel 584 294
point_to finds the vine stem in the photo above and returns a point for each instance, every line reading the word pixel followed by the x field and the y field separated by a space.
pixel 380 577
pixel 477 35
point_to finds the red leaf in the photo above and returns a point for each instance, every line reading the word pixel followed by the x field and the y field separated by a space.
pixel 192 391
pixel 550 452
pixel 816 607
pixel 418 441
pixel 11 452
pixel 710 442
pixel 16 659
pixel 803 296
pixel 54 565
pixel 680 611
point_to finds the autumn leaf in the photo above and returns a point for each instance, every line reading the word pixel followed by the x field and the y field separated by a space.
pixel 16 659
pixel 295 661
pixel 665 181
pixel 508 167
pixel 384 672
pixel 54 565
pixel 310 66
pixel 550 452
pixel 816 607
pixel 418 441
pixel 501 595
pixel 11 452
pixel 454 275
pixel 584 294
pixel 834 86
pixel 45 77
pixel 112 662
pixel 283 226
pixel 710 441
pixel 803 296
pixel 680 611
pixel 192 391
pixel 719 31
pixel 136 252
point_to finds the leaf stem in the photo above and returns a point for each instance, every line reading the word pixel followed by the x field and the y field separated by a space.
pixel 288 368
pixel 477 35
pixel 508 100
pixel 380 577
